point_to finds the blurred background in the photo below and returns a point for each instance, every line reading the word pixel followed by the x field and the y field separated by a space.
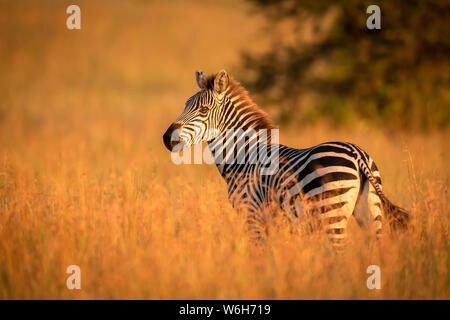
pixel 85 178
pixel 324 63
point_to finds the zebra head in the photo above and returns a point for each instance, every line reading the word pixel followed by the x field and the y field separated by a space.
pixel 201 118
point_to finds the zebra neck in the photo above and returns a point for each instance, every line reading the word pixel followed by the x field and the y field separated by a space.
pixel 234 151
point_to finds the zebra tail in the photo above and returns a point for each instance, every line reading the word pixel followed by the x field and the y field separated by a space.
pixel 398 217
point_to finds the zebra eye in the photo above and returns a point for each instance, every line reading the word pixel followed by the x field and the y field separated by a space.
pixel 204 109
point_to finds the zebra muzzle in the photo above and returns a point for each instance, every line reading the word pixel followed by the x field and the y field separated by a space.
pixel 172 136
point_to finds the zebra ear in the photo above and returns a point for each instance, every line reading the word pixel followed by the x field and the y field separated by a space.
pixel 202 80
pixel 221 81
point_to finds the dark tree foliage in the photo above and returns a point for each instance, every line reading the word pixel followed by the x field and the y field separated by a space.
pixel 398 75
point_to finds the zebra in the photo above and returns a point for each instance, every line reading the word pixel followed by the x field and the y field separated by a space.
pixel 326 184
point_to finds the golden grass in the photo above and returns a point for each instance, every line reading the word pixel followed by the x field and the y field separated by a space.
pixel 86 180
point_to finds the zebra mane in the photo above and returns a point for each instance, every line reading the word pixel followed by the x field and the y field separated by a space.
pixel 241 100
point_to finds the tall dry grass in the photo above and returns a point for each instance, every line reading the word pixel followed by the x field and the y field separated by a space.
pixel 86 180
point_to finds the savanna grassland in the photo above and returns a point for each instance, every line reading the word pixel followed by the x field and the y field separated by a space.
pixel 85 178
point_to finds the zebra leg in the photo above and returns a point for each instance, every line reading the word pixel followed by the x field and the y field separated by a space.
pixel 255 215
pixel 256 223
pixel 368 209
pixel 334 215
